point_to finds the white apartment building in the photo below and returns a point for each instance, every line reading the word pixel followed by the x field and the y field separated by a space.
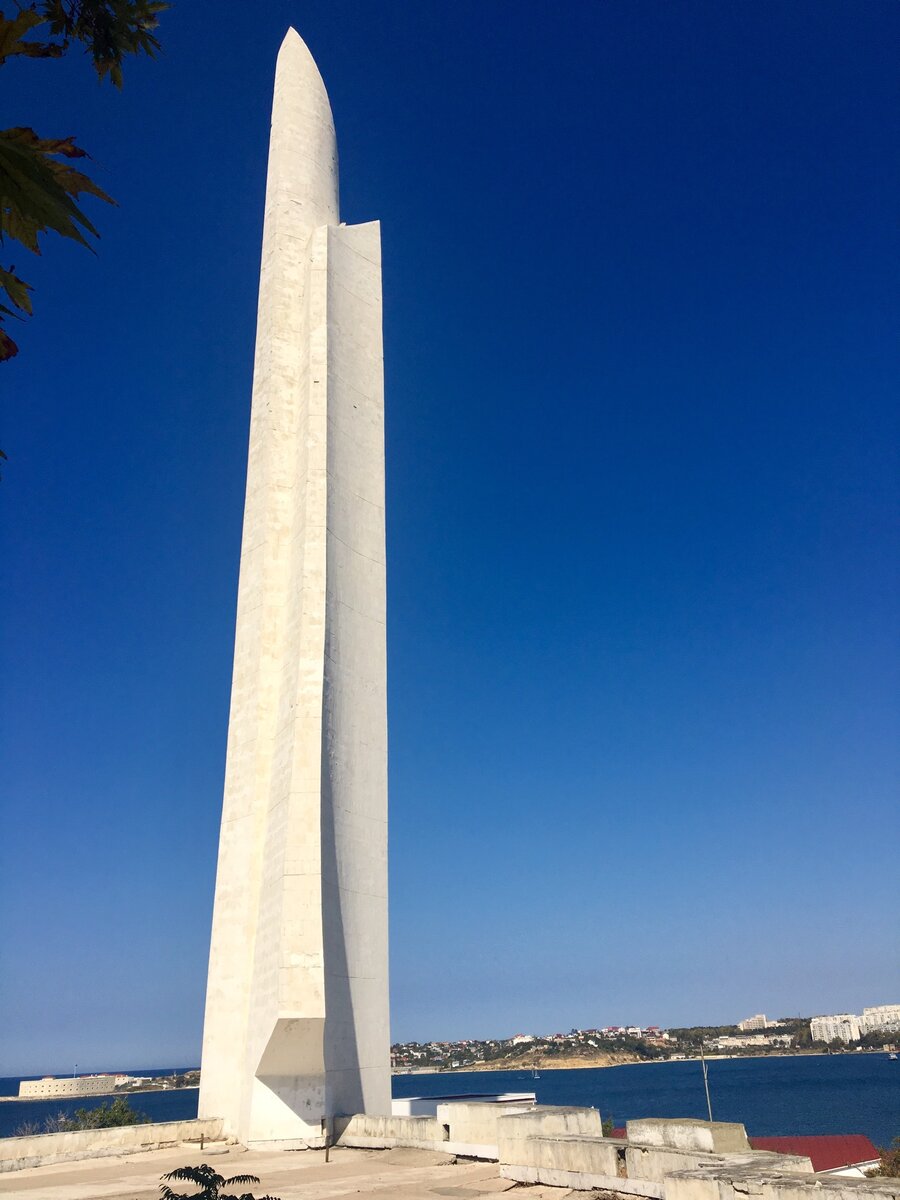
pixel 880 1016
pixel 750 1023
pixel 841 1027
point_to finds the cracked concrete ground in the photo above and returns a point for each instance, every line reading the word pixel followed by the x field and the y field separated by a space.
pixel 361 1174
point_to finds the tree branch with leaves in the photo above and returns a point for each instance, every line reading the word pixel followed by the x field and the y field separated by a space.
pixel 210 1184
pixel 39 186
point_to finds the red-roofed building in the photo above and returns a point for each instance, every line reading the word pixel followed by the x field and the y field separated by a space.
pixel 835 1154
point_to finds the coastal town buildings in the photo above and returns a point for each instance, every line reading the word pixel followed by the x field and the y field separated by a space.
pixel 749 1024
pixel 752 1041
pixel 847 1027
pixel 629 1043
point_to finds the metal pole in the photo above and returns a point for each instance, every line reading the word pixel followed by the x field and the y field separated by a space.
pixel 705 1080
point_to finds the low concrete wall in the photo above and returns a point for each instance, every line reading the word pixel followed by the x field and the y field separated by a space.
pixel 384 1133
pixel 569 1152
pixel 659 1162
pixel 721 1137
pixel 579 1181
pixel 564 1147
pixel 470 1128
pixel 42 1149
pixel 656 1162
pixel 544 1120
pixel 580 1163
pixel 750 1180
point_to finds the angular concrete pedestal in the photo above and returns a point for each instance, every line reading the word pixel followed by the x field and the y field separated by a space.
pixel 296 1026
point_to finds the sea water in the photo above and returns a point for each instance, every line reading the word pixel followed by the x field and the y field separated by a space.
pixel 175 1105
pixel 839 1093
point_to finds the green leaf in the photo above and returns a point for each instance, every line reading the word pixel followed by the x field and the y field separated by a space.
pixel 12 35
pixel 8 348
pixel 16 289
pixel 39 186
pixel 110 29
pixel 37 190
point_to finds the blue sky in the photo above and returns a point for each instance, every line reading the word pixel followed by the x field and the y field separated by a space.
pixel 641 364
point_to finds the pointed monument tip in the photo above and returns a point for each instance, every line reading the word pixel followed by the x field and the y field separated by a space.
pixel 293 45
pixel 303 143
pixel 295 56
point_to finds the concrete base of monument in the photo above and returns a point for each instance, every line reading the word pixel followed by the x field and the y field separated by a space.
pixel 518 1142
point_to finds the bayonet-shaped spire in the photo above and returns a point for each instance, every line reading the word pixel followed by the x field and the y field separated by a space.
pixel 303 167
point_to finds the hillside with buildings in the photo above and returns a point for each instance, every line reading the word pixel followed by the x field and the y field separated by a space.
pixel 878 1027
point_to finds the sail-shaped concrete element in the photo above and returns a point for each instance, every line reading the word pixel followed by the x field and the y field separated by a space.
pixel 296 1028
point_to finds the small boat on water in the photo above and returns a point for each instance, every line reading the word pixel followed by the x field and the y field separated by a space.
pixel 893 1056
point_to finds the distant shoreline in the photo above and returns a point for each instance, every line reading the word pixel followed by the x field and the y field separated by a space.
pixel 541 1064
pixel 581 1064
pixel 93 1095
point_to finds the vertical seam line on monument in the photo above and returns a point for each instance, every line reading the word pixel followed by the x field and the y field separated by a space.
pixel 275 808
pixel 260 417
pixel 319 386
pixel 324 764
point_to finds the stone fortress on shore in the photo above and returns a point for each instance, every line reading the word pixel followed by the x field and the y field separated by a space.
pixel 53 1087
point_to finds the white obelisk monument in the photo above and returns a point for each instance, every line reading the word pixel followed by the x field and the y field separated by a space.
pixel 296 1028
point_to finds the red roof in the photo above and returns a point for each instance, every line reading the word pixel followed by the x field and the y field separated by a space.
pixel 828 1152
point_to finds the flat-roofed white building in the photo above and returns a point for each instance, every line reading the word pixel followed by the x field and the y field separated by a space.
pixel 841 1027
pixel 880 1016
pixel 755 1022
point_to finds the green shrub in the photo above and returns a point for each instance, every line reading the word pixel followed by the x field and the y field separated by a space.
pixel 210 1184
pixel 105 1116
